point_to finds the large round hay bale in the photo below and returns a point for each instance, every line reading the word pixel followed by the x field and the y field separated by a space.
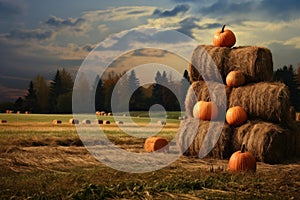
pixel 268 142
pixel 268 101
pixel 255 62
pixel 86 121
pixel 156 143
pixel 199 91
pixel 204 141
pixel 56 121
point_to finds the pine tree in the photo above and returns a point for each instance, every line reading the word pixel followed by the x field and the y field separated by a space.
pixel 42 92
pixel 99 94
pixel 31 99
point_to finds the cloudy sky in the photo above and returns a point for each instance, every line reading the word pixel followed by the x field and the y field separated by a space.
pixel 38 37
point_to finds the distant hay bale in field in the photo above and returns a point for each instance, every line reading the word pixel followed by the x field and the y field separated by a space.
pixel 155 143
pixel 56 121
pixel 109 114
pixel 3 121
pixel 106 122
pixel 27 112
pixel 265 100
pixel 204 91
pixel 268 142
pixel 98 113
pixel 162 122
pixel 99 121
pixel 255 62
pixel 182 117
pixel 9 111
pixel 74 121
pixel 204 141
pixel 86 121
pixel 119 122
pixel 18 112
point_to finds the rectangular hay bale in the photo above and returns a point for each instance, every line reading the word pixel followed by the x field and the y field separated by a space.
pixel 255 62
pixel 204 143
pixel 268 142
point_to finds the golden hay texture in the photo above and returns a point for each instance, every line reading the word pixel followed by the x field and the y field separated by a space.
pixel 204 141
pixel 199 91
pixel 265 100
pixel 268 142
pixel 255 62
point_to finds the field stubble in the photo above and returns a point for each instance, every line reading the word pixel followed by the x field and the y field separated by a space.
pixel 40 160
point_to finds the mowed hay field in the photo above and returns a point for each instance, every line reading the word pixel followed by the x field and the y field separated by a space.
pixel 42 160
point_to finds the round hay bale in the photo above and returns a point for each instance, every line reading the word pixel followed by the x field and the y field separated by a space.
pixel 98 113
pixel 86 121
pixel 74 121
pixel 119 122
pixel 162 122
pixel 268 142
pixel 255 62
pixel 199 91
pixel 18 112
pixel 99 121
pixel 3 121
pixel 265 100
pixel 106 122
pixel 56 121
pixel 109 114
pixel 222 148
pixel 155 143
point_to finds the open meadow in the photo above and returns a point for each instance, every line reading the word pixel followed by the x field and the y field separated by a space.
pixel 42 160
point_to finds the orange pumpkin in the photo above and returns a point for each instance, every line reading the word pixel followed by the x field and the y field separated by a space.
pixel 156 144
pixel 224 38
pixel 242 161
pixel 205 110
pixel 236 116
pixel 235 79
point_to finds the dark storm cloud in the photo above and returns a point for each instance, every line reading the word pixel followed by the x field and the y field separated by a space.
pixel 182 8
pixel 266 9
pixel 58 22
pixel 190 23
pixel 29 34
pixel 8 8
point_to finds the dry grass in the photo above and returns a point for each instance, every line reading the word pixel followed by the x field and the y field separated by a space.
pixel 44 161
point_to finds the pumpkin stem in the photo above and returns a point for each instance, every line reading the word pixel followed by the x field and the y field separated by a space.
pixel 222 31
pixel 243 148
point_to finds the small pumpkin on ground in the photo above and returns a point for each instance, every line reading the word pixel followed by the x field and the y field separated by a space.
pixel 205 110
pixel 224 38
pixel 235 78
pixel 242 161
pixel 156 143
pixel 236 116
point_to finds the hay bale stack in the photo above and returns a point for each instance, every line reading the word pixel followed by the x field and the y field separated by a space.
pixel 199 91
pixel 268 142
pixel 255 62
pixel 221 150
pixel 264 100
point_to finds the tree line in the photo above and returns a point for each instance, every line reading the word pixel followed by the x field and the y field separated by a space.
pixel 56 97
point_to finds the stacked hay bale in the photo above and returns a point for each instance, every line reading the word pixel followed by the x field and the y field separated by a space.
pixel 270 132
